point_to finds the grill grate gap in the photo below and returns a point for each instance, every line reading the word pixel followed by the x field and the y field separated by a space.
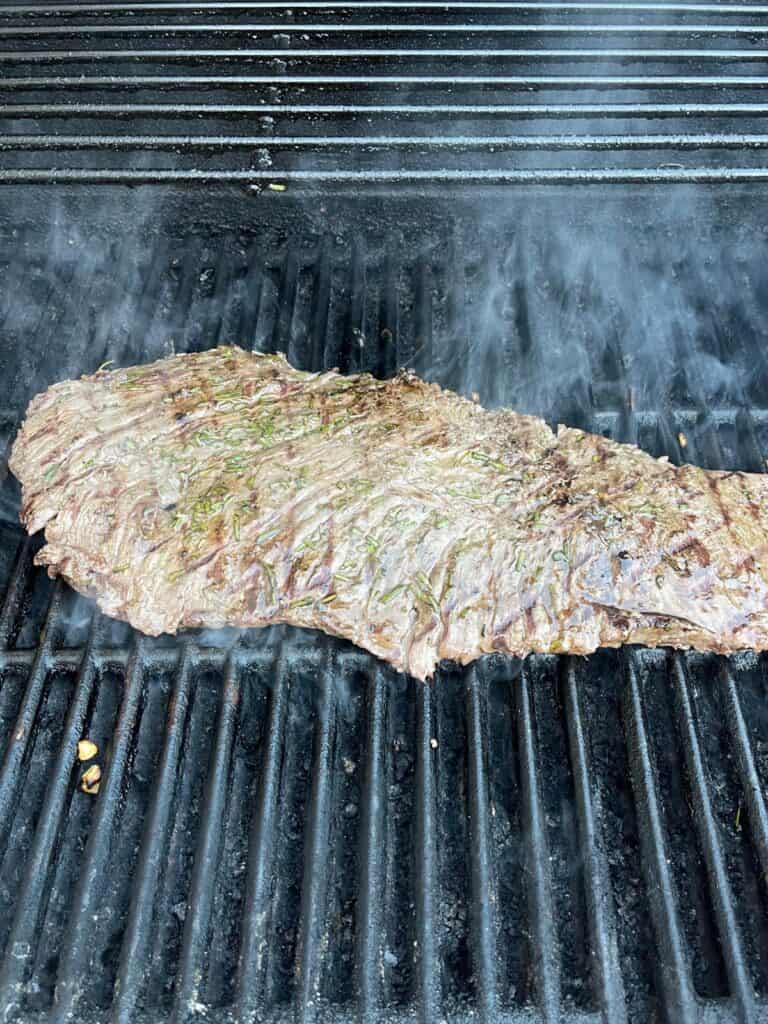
pixel 313 925
pixel 157 853
pixel 483 903
pixel 448 745
pixel 562 839
pixel 257 905
pixel 248 757
pixel 600 912
pixel 34 892
pixel 677 990
pixel 345 848
pixel 539 882
pixel 401 881
pixel 195 961
pixel 506 829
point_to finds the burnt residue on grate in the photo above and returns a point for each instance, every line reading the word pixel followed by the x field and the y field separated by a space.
pixel 287 829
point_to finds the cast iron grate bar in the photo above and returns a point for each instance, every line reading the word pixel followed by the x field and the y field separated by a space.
pixel 427 960
pixel 15 593
pixel 599 909
pixel 261 180
pixel 570 110
pixel 76 967
pixel 484 897
pixel 194 955
pixel 753 790
pixel 35 890
pixel 315 880
pixel 538 862
pixel 140 928
pixel 253 987
pixel 738 976
pixel 323 81
pixel 643 54
pixel 371 889
pixel 16 758
pixel 462 5
pixel 697 30
pixel 458 143
pixel 678 993
pixel 320 307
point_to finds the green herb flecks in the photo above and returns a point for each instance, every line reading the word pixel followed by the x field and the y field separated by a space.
pixel 468 493
pixel 133 380
pixel 267 535
pixel 372 545
pixel 486 460
pixel 237 464
pixel 346 577
pixel 198 515
pixel 390 595
pixel 335 425
pixel 312 599
pixel 422 591
pixel 437 521
pixel 562 555
pixel 358 487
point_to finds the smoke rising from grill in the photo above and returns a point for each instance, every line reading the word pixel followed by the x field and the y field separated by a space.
pixel 648 299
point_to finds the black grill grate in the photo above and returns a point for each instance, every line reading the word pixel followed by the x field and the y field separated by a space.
pixel 288 830
pixel 378 93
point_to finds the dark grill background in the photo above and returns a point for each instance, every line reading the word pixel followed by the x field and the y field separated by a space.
pixel 277 836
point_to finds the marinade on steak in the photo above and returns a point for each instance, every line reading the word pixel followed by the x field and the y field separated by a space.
pixel 227 488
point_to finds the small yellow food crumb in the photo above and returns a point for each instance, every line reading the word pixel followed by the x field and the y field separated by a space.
pixel 433 743
pixel 86 749
pixel 274 187
pixel 682 439
pixel 91 780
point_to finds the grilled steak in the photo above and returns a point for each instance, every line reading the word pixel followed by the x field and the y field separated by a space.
pixel 227 488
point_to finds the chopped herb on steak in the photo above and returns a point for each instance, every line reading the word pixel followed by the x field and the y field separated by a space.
pixel 227 488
